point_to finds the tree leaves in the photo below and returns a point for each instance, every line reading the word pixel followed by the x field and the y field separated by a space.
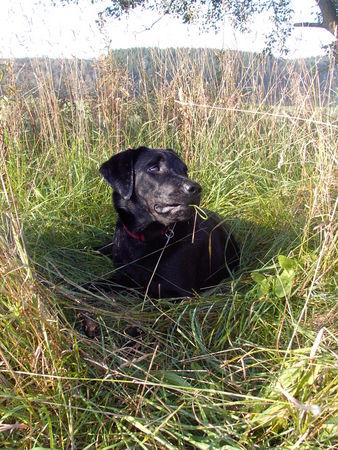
pixel 211 14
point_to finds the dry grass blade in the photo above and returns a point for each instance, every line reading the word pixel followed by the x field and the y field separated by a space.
pixel 248 364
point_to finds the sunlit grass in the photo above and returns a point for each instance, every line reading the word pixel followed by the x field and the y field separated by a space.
pixel 249 365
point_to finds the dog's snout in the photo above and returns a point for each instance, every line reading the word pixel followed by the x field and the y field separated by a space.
pixel 192 187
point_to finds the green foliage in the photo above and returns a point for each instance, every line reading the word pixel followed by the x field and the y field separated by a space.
pixel 212 371
pixel 299 389
pixel 279 285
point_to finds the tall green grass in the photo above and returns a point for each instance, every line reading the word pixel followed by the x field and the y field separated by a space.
pixel 251 364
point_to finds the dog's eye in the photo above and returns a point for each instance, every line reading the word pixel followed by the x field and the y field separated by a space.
pixel 153 169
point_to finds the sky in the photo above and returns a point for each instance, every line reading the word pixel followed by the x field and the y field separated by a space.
pixel 30 28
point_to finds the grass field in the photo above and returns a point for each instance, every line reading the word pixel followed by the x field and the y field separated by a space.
pixel 250 365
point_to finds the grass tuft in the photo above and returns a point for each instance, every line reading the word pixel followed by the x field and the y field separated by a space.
pixel 250 364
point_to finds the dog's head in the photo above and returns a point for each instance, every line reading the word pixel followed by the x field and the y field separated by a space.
pixel 154 180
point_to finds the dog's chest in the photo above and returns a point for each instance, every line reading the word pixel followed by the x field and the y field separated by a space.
pixel 167 266
pixel 130 251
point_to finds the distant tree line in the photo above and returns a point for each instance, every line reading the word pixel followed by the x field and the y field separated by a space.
pixel 70 78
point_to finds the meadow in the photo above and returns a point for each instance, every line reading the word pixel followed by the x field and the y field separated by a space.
pixel 250 365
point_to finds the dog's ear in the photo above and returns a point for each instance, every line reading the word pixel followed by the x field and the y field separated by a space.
pixel 118 171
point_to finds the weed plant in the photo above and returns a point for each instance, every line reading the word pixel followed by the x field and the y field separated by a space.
pixel 250 364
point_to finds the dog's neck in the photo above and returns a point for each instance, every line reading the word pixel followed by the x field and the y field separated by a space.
pixel 151 233
pixel 136 224
pixel 132 220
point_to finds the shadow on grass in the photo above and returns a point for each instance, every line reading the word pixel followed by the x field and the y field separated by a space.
pixel 67 256
pixel 230 316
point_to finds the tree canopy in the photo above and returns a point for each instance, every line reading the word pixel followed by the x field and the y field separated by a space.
pixel 210 13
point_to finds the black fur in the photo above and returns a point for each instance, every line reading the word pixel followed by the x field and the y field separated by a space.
pixel 153 196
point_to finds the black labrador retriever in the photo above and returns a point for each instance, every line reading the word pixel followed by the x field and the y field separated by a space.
pixel 160 245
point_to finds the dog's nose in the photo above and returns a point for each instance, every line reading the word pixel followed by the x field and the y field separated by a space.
pixel 192 188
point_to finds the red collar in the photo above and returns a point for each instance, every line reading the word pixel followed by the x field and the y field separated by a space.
pixel 140 237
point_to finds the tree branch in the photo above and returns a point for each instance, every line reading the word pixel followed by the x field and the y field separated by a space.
pixel 149 27
pixel 309 24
